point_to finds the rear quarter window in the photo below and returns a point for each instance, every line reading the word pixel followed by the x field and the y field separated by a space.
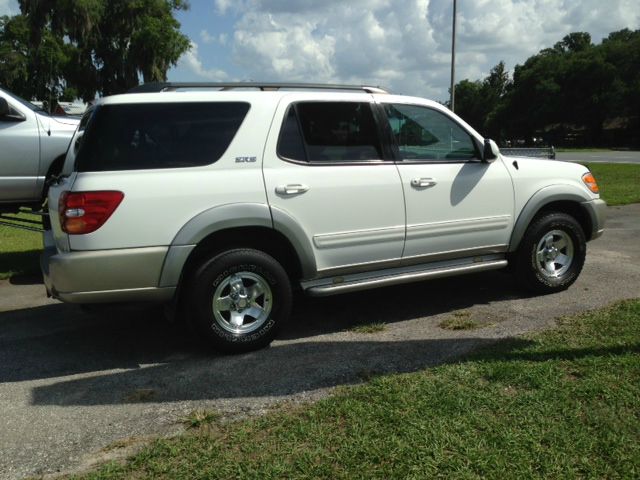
pixel 159 135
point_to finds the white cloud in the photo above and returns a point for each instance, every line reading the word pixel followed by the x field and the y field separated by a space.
pixel 191 61
pixel 9 7
pixel 220 39
pixel 405 45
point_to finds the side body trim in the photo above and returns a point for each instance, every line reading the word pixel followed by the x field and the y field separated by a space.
pixel 159 295
pixel 362 237
pixel 411 261
pixel 435 229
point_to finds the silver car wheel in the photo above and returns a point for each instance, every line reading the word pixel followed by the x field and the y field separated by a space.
pixel 242 303
pixel 554 254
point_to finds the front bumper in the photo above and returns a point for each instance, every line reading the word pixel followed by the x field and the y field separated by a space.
pixel 105 276
pixel 597 210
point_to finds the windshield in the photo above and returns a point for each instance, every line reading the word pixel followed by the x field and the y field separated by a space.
pixel 24 102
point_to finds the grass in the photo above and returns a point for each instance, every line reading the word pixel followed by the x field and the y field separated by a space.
pixel 561 404
pixel 460 321
pixel 619 183
pixel 374 327
pixel 200 418
pixel 19 250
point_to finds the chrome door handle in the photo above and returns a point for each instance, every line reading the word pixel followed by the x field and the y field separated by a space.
pixel 423 182
pixel 291 189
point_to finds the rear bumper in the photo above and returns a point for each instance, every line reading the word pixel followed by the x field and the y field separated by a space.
pixel 105 276
pixel 597 210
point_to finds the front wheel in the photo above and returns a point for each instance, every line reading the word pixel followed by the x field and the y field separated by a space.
pixel 551 254
pixel 239 299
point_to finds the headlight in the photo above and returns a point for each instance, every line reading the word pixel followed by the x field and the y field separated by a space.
pixel 590 181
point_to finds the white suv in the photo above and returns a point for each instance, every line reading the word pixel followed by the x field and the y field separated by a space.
pixel 221 198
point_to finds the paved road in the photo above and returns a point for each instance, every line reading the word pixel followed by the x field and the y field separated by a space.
pixel 73 384
pixel 611 156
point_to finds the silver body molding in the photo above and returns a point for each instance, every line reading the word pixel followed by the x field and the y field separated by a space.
pixel 396 276
pixel 597 210
pixel 219 218
pixel 556 193
pixel 231 216
pixel 204 224
pixel 155 295
pixel 105 275
pixel 289 227
pixel 174 263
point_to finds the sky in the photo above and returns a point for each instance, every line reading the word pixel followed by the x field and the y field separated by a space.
pixel 402 45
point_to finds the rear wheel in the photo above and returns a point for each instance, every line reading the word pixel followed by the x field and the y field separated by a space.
pixel 551 254
pixel 239 299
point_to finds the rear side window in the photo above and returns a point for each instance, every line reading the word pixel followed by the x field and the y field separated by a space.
pixel 329 132
pixel 158 135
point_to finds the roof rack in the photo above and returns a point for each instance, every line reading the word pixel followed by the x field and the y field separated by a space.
pixel 173 86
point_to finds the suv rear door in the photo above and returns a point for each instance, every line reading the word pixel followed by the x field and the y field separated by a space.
pixel 325 170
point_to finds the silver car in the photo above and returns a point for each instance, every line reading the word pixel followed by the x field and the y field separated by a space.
pixel 33 146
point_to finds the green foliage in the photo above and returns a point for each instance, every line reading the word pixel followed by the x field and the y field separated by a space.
pixel 573 86
pixel 619 183
pixel 86 47
pixel 19 249
pixel 478 102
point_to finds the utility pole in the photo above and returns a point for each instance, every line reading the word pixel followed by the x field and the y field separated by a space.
pixel 453 59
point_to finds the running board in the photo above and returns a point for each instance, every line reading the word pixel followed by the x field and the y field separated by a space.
pixel 400 278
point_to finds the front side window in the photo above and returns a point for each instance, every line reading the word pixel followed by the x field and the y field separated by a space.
pixel 329 132
pixel 422 133
pixel 158 135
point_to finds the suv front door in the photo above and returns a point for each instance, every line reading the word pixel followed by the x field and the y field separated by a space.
pixel 325 171
pixel 457 205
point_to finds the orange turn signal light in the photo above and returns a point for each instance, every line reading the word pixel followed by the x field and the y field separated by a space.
pixel 590 181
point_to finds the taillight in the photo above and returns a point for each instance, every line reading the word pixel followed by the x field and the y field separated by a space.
pixel 85 212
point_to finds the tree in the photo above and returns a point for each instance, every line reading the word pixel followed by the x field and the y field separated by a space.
pixel 478 102
pixel 90 46
pixel 14 51
pixel 572 87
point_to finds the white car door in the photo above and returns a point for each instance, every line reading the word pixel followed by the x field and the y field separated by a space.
pixel 456 204
pixel 324 170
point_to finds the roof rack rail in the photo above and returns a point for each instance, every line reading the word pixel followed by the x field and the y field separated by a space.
pixel 172 86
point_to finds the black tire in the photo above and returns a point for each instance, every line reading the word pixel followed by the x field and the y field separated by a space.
pixel 551 254
pixel 261 300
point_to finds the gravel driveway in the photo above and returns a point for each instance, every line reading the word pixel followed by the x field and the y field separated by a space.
pixel 75 387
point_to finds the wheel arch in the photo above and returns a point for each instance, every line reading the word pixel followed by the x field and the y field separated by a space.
pixel 261 238
pixel 53 169
pixel 552 199
pixel 237 226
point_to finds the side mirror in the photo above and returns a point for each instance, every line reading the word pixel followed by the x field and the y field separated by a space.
pixel 4 107
pixel 491 151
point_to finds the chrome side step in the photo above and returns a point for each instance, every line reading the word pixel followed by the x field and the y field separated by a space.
pixel 402 277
